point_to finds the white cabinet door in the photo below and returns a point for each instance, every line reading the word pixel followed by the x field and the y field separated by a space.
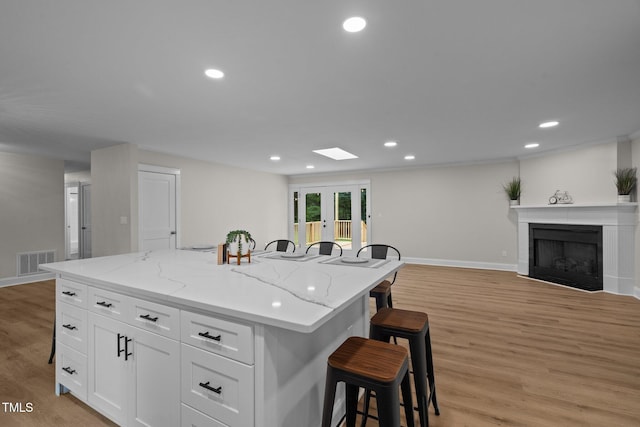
pixel 107 368
pixel 155 389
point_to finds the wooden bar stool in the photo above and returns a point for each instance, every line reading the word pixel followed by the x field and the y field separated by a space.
pixel 374 365
pixel 413 326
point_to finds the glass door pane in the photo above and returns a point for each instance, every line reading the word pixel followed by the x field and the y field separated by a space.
pixel 342 224
pixel 313 218
pixel 363 218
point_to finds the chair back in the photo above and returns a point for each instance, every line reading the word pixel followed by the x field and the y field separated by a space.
pixel 381 251
pixel 282 245
pixel 325 247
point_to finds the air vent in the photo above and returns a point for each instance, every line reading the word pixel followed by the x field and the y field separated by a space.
pixel 28 262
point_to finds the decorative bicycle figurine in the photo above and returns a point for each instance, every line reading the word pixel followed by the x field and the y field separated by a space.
pixel 561 197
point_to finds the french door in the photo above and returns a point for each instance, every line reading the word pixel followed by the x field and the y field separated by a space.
pixel 338 213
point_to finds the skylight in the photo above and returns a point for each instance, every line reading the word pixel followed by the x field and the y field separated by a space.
pixel 336 153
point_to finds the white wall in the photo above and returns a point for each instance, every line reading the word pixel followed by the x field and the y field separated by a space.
pixel 31 207
pixel 586 173
pixel 114 192
pixel 81 176
pixel 455 215
pixel 217 199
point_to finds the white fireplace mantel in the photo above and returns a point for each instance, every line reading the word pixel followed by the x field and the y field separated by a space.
pixel 618 223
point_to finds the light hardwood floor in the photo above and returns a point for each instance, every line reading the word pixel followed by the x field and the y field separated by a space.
pixel 508 351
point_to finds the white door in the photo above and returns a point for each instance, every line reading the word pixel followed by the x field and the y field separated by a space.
pixel 157 210
pixel 85 220
pixel 155 387
pixel 108 376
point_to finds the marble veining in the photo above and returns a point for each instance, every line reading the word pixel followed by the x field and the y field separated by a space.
pixel 299 296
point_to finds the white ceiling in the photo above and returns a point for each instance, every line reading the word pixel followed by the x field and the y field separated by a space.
pixel 450 80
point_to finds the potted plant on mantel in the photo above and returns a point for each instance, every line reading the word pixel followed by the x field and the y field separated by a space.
pixel 626 181
pixel 513 189
pixel 238 245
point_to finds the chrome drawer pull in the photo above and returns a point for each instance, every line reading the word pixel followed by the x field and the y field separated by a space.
pixel 69 370
pixel 211 337
pixel 69 293
pixel 208 387
pixel 104 304
pixel 148 317
pixel 69 326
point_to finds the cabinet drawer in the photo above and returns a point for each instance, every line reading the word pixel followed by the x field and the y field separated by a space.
pixel 156 318
pixel 192 418
pixel 71 326
pixel 229 339
pixel 219 387
pixel 71 368
pixel 107 303
pixel 71 292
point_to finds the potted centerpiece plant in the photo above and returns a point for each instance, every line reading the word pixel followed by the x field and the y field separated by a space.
pixel 238 243
pixel 513 189
pixel 626 181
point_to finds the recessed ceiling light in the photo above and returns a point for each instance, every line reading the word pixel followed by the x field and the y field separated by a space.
pixel 310 166
pixel 390 144
pixel 336 153
pixel 274 158
pixel 354 24
pixel 214 74
pixel 532 145
pixel 549 124
pixel 410 157
pixel 276 304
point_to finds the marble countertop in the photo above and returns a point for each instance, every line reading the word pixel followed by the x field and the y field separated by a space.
pixel 295 294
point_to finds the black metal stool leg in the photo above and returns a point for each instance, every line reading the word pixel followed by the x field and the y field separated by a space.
pixel 53 343
pixel 407 400
pixel 430 373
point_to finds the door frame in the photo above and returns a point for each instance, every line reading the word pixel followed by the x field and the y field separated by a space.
pixel 169 171
pixel 67 225
pixel 322 187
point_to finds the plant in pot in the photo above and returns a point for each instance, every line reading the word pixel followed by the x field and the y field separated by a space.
pixel 238 242
pixel 626 181
pixel 513 189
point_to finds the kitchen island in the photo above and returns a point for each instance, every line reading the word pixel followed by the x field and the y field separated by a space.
pixel 171 338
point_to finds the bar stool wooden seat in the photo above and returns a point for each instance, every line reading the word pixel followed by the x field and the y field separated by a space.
pixel 413 326
pixel 374 365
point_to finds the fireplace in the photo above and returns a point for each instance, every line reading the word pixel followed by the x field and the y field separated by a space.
pixel 618 224
pixel 566 254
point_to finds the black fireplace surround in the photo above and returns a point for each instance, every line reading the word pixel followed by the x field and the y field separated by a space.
pixel 566 254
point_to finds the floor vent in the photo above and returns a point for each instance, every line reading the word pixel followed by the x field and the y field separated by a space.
pixel 28 262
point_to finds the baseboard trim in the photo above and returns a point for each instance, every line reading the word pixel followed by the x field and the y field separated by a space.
pixel 21 280
pixel 461 264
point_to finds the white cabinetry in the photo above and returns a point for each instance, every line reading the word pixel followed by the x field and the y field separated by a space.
pixel 71 337
pixel 217 371
pixel 129 373
pixel 134 375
